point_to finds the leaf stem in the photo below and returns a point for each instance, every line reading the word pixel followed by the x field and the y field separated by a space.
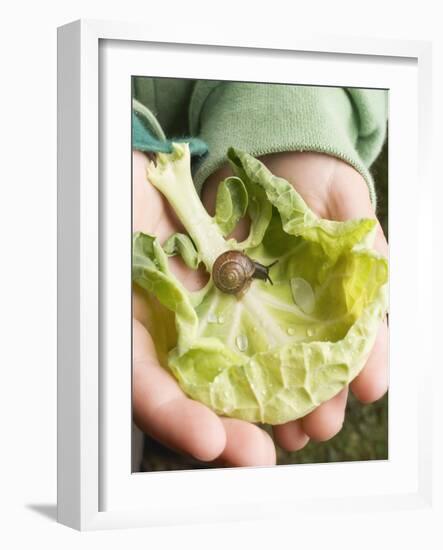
pixel 171 175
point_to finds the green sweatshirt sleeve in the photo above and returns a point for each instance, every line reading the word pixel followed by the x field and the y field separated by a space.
pixel 349 124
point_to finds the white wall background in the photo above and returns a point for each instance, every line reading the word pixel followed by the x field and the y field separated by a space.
pixel 28 260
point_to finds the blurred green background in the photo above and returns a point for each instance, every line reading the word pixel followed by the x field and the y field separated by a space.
pixel 364 435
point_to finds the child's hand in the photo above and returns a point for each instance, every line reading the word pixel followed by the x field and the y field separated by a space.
pixel 334 190
pixel 161 409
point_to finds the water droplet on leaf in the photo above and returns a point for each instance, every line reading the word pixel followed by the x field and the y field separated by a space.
pixel 212 318
pixel 302 294
pixel 290 331
pixel 242 342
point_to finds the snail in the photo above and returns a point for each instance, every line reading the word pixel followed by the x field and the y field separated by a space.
pixel 233 272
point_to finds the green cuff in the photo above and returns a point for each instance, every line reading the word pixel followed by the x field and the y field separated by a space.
pixel 272 118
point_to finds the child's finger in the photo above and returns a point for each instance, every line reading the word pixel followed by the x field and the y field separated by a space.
pixel 372 382
pixel 246 445
pixel 290 436
pixel 163 411
pixel 380 243
pixel 353 202
pixel 327 419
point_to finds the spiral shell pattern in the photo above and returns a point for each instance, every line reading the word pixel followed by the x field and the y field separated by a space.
pixel 232 272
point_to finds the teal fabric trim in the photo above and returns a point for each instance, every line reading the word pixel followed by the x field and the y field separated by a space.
pixel 144 140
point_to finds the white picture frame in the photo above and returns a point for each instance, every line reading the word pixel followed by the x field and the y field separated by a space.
pixel 96 489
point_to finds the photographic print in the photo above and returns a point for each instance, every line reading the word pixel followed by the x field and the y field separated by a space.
pixel 260 274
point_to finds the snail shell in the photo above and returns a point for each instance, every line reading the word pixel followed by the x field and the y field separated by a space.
pixel 232 272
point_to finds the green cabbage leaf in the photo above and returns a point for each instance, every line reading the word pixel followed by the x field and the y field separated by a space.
pixel 281 349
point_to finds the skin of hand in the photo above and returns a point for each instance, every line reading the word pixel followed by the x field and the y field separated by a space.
pixel 334 190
